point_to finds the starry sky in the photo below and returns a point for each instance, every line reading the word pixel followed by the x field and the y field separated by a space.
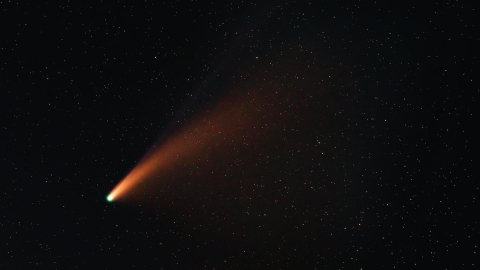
pixel 269 134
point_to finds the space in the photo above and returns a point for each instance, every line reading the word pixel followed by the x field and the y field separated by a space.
pixel 238 134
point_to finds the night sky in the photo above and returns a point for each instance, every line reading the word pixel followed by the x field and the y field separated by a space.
pixel 277 134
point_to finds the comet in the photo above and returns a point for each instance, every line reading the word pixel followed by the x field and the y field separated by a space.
pixel 221 131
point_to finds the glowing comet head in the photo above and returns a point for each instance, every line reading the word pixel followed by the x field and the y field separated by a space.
pixel 110 198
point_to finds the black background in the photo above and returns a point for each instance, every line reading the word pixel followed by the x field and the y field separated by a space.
pixel 371 164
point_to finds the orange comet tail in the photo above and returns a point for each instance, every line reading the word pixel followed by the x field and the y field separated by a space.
pixel 229 121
